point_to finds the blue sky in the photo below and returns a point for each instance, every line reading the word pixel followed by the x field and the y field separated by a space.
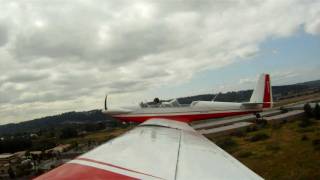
pixel 298 54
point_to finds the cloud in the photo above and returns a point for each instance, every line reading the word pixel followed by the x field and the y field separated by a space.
pixel 278 77
pixel 247 80
pixel 61 52
pixel 26 77
pixel 4 35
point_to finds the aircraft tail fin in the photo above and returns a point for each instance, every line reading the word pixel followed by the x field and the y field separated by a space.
pixel 263 92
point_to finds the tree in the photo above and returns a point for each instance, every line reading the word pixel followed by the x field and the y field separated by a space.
pixel 316 111
pixel 15 144
pixel 101 126
pixel 44 144
pixel 27 154
pixel 68 132
pixel 305 122
pixel 11 173
pixel 308 110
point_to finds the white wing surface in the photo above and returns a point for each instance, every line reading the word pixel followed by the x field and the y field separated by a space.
pixel 156 149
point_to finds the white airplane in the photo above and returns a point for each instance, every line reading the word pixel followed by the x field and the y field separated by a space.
pixel 164 146
pixel 197 110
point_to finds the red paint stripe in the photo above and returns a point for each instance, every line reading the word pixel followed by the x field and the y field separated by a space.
pixel 183 118
pixel 76 171
pixel 267 94
pixel 115 166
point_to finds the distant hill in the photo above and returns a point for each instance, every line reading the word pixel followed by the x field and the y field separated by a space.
pixel 315 83
pixel 244 95
pixel 95 116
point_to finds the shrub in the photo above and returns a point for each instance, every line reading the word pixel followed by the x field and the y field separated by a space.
pixel 308 129
pixel 226 143
pixel 308 110
pixel 262 123
pixel 305 122
pixel 304 138
pixel 252 128
pixel 244 154
pixel 239 134
pixel 316 111
pixel 273 147
pixel 259 137
pixel 316 144
pixel 68 132
pixel 276 126
pixel 283 109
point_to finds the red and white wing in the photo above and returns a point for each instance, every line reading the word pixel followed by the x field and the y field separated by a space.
pixel 156 149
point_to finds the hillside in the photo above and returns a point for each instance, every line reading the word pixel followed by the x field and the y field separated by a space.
pixel 68 118
pixel 279 92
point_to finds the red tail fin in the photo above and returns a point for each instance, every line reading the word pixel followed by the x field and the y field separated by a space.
pixel 263 92
pixel 267 95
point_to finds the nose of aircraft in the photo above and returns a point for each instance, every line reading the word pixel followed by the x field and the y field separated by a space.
pixel 114 111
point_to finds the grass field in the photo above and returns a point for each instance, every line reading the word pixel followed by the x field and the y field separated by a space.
pixel 286 151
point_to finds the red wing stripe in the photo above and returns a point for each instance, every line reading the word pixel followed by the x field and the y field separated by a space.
pixel 77 171
pixel 183 118
pixel 115 166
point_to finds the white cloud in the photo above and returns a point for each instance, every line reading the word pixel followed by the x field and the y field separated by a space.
pixel 247 80
pixel 75 51
pixel 278 77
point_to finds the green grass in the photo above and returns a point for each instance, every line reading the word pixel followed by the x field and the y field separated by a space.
pixel 284 155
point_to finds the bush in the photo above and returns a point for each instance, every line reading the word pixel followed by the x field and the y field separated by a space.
pixel 43 144
pixel 276 126
pixel 283 109
pixel 273 147
pixel 226 143
pixel 316 144
pixel 308 110
pixel 244 154
pixel 68 132
pixel 259 137
pixel 316 111
pixel 308 129
pixel 304 138
pixel 15 144
pixel 239 134
pixel 251 129
pixel 262 123
pixel 305 122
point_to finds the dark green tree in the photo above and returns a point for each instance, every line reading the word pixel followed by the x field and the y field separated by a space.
pixel 305 122
pixel 316 111
pixel 308 110
pixel 11 173
pixel 68 132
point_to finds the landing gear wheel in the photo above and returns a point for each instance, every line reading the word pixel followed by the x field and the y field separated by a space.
pixel 260 121
pixel 258 116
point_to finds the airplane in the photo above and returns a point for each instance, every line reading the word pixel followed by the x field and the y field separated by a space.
pixel 164 146
pixel 197 110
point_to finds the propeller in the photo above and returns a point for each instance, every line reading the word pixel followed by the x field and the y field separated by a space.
pixel 105 102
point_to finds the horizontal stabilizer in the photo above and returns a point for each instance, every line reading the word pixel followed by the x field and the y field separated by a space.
pixel 252 105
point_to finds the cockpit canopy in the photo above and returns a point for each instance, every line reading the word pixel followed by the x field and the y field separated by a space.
pixel 158 103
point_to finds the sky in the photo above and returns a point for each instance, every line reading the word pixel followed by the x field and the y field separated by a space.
pixel 59 56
